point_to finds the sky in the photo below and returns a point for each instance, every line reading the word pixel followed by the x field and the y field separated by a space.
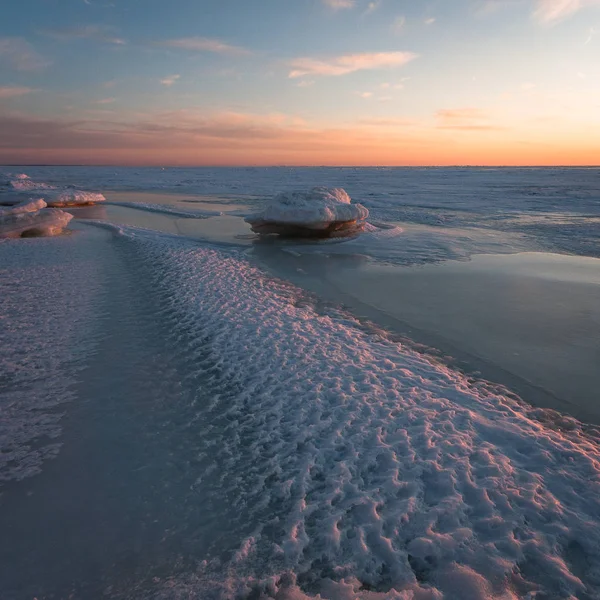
pixel 300 82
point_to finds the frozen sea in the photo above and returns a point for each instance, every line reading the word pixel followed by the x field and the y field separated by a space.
pixel 190 411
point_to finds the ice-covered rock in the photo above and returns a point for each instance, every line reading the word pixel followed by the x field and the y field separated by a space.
pixel 320 212
pixel 32 217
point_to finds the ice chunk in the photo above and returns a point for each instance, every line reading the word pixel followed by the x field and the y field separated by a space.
pixel 320 211
pixel 21 183
pixel 32 218
pixel 54 196
pixel 72 198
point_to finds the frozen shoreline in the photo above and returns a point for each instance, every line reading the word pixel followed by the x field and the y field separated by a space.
pixel 426 303
pixel 496 315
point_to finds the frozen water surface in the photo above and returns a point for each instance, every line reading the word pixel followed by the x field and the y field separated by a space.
pixel 178 423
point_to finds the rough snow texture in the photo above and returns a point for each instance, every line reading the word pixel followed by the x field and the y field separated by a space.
pixel 31 217
pixel 349 466
pixel 317 209
pixel 49 291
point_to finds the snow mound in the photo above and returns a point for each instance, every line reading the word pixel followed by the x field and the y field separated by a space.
pixel 32 217
pixel 318 210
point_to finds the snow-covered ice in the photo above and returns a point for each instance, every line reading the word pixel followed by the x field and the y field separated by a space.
pixel 320 210
pixel 31 217
pixel 357 468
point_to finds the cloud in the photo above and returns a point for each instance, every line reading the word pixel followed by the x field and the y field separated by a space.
pixel 98 33
pixel 465 119
pixel 202 44
pixel 398 24
pixel 349 63
pixel 18 54
pixel 105 101
pixel 339 4
pixel 547 12
pixel 552 11
pixel 372 7
pixel 192 137
pixel 591 35
pixel 305 83
pixel 12 91
pixel 430 21
pixel 170 80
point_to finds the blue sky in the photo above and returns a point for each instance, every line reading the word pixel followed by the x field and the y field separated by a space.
pixel 396 79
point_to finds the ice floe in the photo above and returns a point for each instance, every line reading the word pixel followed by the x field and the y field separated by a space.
pixel 32 217
pixel 14 186
pixel 319 212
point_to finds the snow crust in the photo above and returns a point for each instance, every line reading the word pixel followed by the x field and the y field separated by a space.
pixel 315 209
pixel 31 217
pixel 353 467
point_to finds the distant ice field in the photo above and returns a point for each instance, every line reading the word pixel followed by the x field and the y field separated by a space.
pixel 551 209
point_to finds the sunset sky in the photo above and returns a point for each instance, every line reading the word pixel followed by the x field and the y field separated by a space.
pixel 300 82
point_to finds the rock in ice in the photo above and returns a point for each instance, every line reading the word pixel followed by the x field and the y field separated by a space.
pixel 320 212
pixel 32 217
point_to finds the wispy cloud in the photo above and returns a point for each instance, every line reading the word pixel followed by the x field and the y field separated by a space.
pixel 339 4
pixel 349 63
pixel 98 33
pixel 465 119
pixel 372 7
pixel 591 35
pixel 398 24
pixel 18 54
pixel 430 21
pixel 202 44
pixel 105 101
pixel 170 80
pixel 13 91
pixel 547 12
